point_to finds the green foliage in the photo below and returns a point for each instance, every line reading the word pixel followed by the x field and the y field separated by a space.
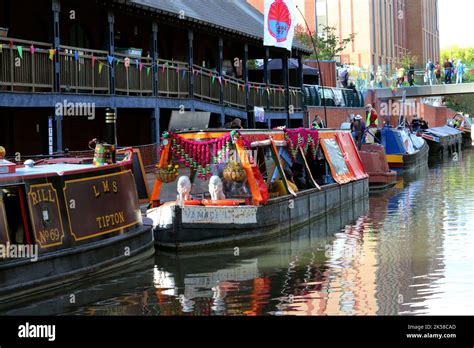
pixel 461 103
pixel 408 60
pixel 455 52
pixel 328 46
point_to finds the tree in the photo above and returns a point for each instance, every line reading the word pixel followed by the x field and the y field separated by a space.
pixel 408 60
pixel 328 45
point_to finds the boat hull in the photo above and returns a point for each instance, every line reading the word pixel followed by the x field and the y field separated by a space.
pixel 420 158
pixel 23 279
pixel 277 217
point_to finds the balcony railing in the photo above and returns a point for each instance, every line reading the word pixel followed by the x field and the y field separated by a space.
pixel 25 66
pixel 206 84
pixel 173 77
pixel 234 92
pixel 133 76
pixel 29 66
pixel 84 71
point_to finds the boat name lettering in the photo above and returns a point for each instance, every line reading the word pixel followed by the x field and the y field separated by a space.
pixel 110 220
pixel 42 195
pixel 106 188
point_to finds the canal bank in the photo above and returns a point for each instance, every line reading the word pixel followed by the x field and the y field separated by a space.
pixel 409 253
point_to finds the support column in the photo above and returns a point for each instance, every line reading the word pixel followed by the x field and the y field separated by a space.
pixel 286 86
pixel 56 7
pixel 220 62
pixel 111 44
pixel 245 70
pixel 154 56
pixel 155 125
pixel 190 63
pixel 59 133
pixel 111 126
pixel 266 74
pixel 300 79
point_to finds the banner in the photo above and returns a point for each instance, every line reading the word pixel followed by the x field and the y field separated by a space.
pixel 279 23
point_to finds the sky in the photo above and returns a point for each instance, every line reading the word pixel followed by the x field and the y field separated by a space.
pixel 456 23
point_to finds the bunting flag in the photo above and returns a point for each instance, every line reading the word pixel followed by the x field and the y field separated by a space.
pixel 76 55
pixel 141 67
pixel 110 59
pixel 51 54
pixel 137 64
pixel 213 78
pixel 220 80
pixel 148 71
pixel 32 49
pixel 126 62
pixel 93 60
pixel 184 74
pixel 1 48
pixel 118 61
pixel 163 66
pixel 11 43
pixel 101 65
pixel 20 51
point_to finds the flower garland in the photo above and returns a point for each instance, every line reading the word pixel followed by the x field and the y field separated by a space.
pixel 303 138
pixel 197 154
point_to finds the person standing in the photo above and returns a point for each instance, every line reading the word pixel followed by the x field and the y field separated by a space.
pixel 344 77
pixel 372 123
pixel 459 71
pixel 411 75
pixel 447 71
pixel 438 73
pixel 357 130
pixel 429 70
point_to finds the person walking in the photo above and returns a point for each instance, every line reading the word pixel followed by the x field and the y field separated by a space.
pixel 438 73
pixel 459 71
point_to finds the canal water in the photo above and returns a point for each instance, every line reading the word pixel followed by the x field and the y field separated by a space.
pixel 408 251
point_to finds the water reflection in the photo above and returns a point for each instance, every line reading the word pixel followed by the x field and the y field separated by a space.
pixel 411 252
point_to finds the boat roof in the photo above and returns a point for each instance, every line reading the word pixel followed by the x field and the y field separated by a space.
pixel 48 170
pixel 443 131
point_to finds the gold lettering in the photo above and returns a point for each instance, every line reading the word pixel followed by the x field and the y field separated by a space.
pixel 107 220
pixel 34 198
pixel 43 196
pixel 110 220
pixel 51 199
pixel 105 185
pixel 114 186
pixel 96 193
pixel 99 221
pixel 122 218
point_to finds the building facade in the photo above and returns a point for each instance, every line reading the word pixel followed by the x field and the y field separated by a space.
pixel 385 30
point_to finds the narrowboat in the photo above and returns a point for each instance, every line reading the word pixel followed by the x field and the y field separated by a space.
pixel 64 220
pixel 375 163
pixel 403 149
pixel 443 140
pixel 261 183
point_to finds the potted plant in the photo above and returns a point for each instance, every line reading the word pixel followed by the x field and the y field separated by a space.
pixel 167 174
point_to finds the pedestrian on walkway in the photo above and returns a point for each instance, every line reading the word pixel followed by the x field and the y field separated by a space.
pixel 429 70
pixel 411 75
pixel 447 71
pixel 438 73
pixel 459 71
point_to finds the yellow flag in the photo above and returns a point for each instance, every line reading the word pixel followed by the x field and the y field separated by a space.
pixel 100 67
pixel 51 54
pixel 1 48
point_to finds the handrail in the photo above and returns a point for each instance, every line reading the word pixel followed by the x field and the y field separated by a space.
pixel 35 43
pixel 81 49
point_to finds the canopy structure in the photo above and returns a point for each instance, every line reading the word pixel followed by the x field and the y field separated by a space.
pixel 276 64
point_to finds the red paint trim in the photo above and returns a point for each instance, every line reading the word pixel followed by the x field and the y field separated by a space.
pixel 23 214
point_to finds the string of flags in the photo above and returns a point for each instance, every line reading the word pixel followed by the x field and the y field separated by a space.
pixel 139 66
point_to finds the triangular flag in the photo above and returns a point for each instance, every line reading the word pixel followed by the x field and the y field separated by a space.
pixel 76 55
pixel 213 78
pixel 51 54
pixel 1 48
pixel 11 43
pixel 118 61
pixel 101 65
pixel 141 66
pixel 32 49
pixel 148 71
pixel 184 74
pixel 93 60
pixel 20 51
pixel 110 59
pixel 137 63
pixel 220 80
